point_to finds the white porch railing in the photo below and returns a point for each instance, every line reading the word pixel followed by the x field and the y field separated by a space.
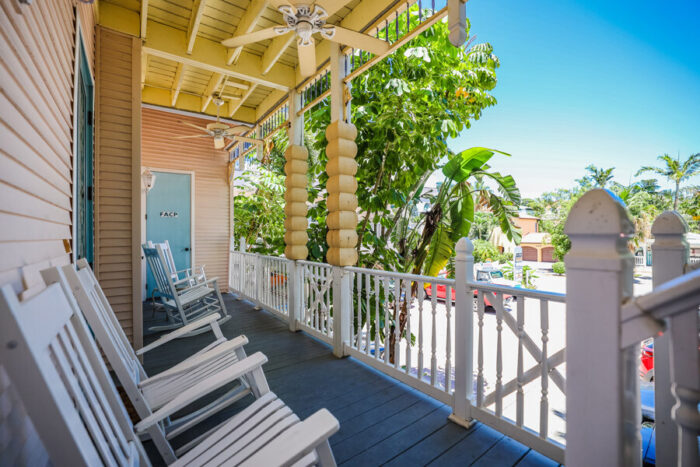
pixel 538 368
pixel 264 280
pixel 316 299
pixel 423 347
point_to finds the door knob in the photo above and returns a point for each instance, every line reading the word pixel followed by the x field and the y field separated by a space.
pixel 187 249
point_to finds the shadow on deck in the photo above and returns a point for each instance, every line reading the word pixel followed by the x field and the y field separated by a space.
pixel 382 421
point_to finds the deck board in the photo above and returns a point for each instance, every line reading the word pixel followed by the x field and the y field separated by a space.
pixel 382 421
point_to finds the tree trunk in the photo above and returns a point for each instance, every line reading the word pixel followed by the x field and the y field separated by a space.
pixel 675 196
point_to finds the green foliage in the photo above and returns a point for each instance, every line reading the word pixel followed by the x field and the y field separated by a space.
pixel 259 213
pixel 675 170
pixel 503 257
pixel 484 251
pixel 559 268
pixel 529 276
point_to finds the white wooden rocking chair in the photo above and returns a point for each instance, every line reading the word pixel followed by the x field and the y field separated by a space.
pixel 147 394
pixel 195 276
pixel 75 409
pixel 183 301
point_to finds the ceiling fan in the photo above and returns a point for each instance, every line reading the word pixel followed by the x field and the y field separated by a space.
pixel 305 20
pixel 219 131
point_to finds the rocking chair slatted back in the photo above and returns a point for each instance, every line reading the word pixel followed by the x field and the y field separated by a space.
pixel 101 318
pixel 64 383
pixel 167 254
pixel 164 281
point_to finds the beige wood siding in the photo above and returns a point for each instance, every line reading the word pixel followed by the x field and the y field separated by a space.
pixel 212 199
pixel 117 160
pixel 37 53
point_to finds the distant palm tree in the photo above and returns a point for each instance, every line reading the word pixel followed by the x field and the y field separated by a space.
pixel 676 171
pixel 600 177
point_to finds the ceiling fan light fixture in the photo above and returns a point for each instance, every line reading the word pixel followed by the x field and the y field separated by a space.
pixel 219 142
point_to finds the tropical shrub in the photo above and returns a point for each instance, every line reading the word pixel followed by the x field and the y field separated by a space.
pixel 559 268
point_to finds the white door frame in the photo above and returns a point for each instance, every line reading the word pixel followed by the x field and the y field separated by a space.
pixel 144 192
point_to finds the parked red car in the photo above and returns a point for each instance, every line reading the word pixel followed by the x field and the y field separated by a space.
pixel 442 294
pixel 646 366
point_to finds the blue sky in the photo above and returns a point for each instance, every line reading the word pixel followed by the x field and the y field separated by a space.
pixel 612 83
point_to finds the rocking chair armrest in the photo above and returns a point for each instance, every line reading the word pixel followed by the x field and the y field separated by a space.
pixel 206 321
pixel 182 281
pixel 298 441
pixel 187 271
pixel 197 360
pixel 248 365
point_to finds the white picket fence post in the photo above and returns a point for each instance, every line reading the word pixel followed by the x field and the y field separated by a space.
pixel 464 334
pixel 603 411
pixel 342 310
pixel 295 284
pixel 669 256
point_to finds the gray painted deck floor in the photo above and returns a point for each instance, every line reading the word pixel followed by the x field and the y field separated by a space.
pixel 382 421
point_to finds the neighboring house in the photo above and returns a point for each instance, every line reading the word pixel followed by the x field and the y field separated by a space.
pixel 535 244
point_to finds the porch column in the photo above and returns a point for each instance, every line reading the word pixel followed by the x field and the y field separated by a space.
pixel 295 209
pixel 342 202
pixel 341 169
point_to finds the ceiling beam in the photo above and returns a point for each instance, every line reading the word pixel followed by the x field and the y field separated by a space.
pixel 195 19
pixel 192 103
pixel 234 84
pixel 235 106
pixel 177 83
pixel 171 43
pixel 144 18
pixel 213 85
pixel 277 47
pixel 247 24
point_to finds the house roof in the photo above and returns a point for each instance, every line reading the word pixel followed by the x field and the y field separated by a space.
pixel 536 237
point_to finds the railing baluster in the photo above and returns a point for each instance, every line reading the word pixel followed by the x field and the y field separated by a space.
pixel 397 314
pixel 433 334
pixel 407 301
pixel 386 320
pixel 498 299
pixel 358 313
pixel 480 351
pixel 448 339
pixel 421 292
pixel 544 402
pixel 368 336
pixel 520 396
pixel 376 316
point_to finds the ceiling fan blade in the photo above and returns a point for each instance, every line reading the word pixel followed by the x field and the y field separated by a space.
pixel 236 130
pixel 256 36
pixel 307 58
pixel 191 136
pixel 331 6
pixel 245 139
pixel 194 126
pixel 359 40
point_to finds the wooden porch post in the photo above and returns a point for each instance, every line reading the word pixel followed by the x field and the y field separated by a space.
pixel 295 208
pixel 670 253
pixel 603 412
pixel 342 202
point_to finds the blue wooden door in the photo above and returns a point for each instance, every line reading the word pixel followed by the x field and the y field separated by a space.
pixel 84 232
pixel 168 217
